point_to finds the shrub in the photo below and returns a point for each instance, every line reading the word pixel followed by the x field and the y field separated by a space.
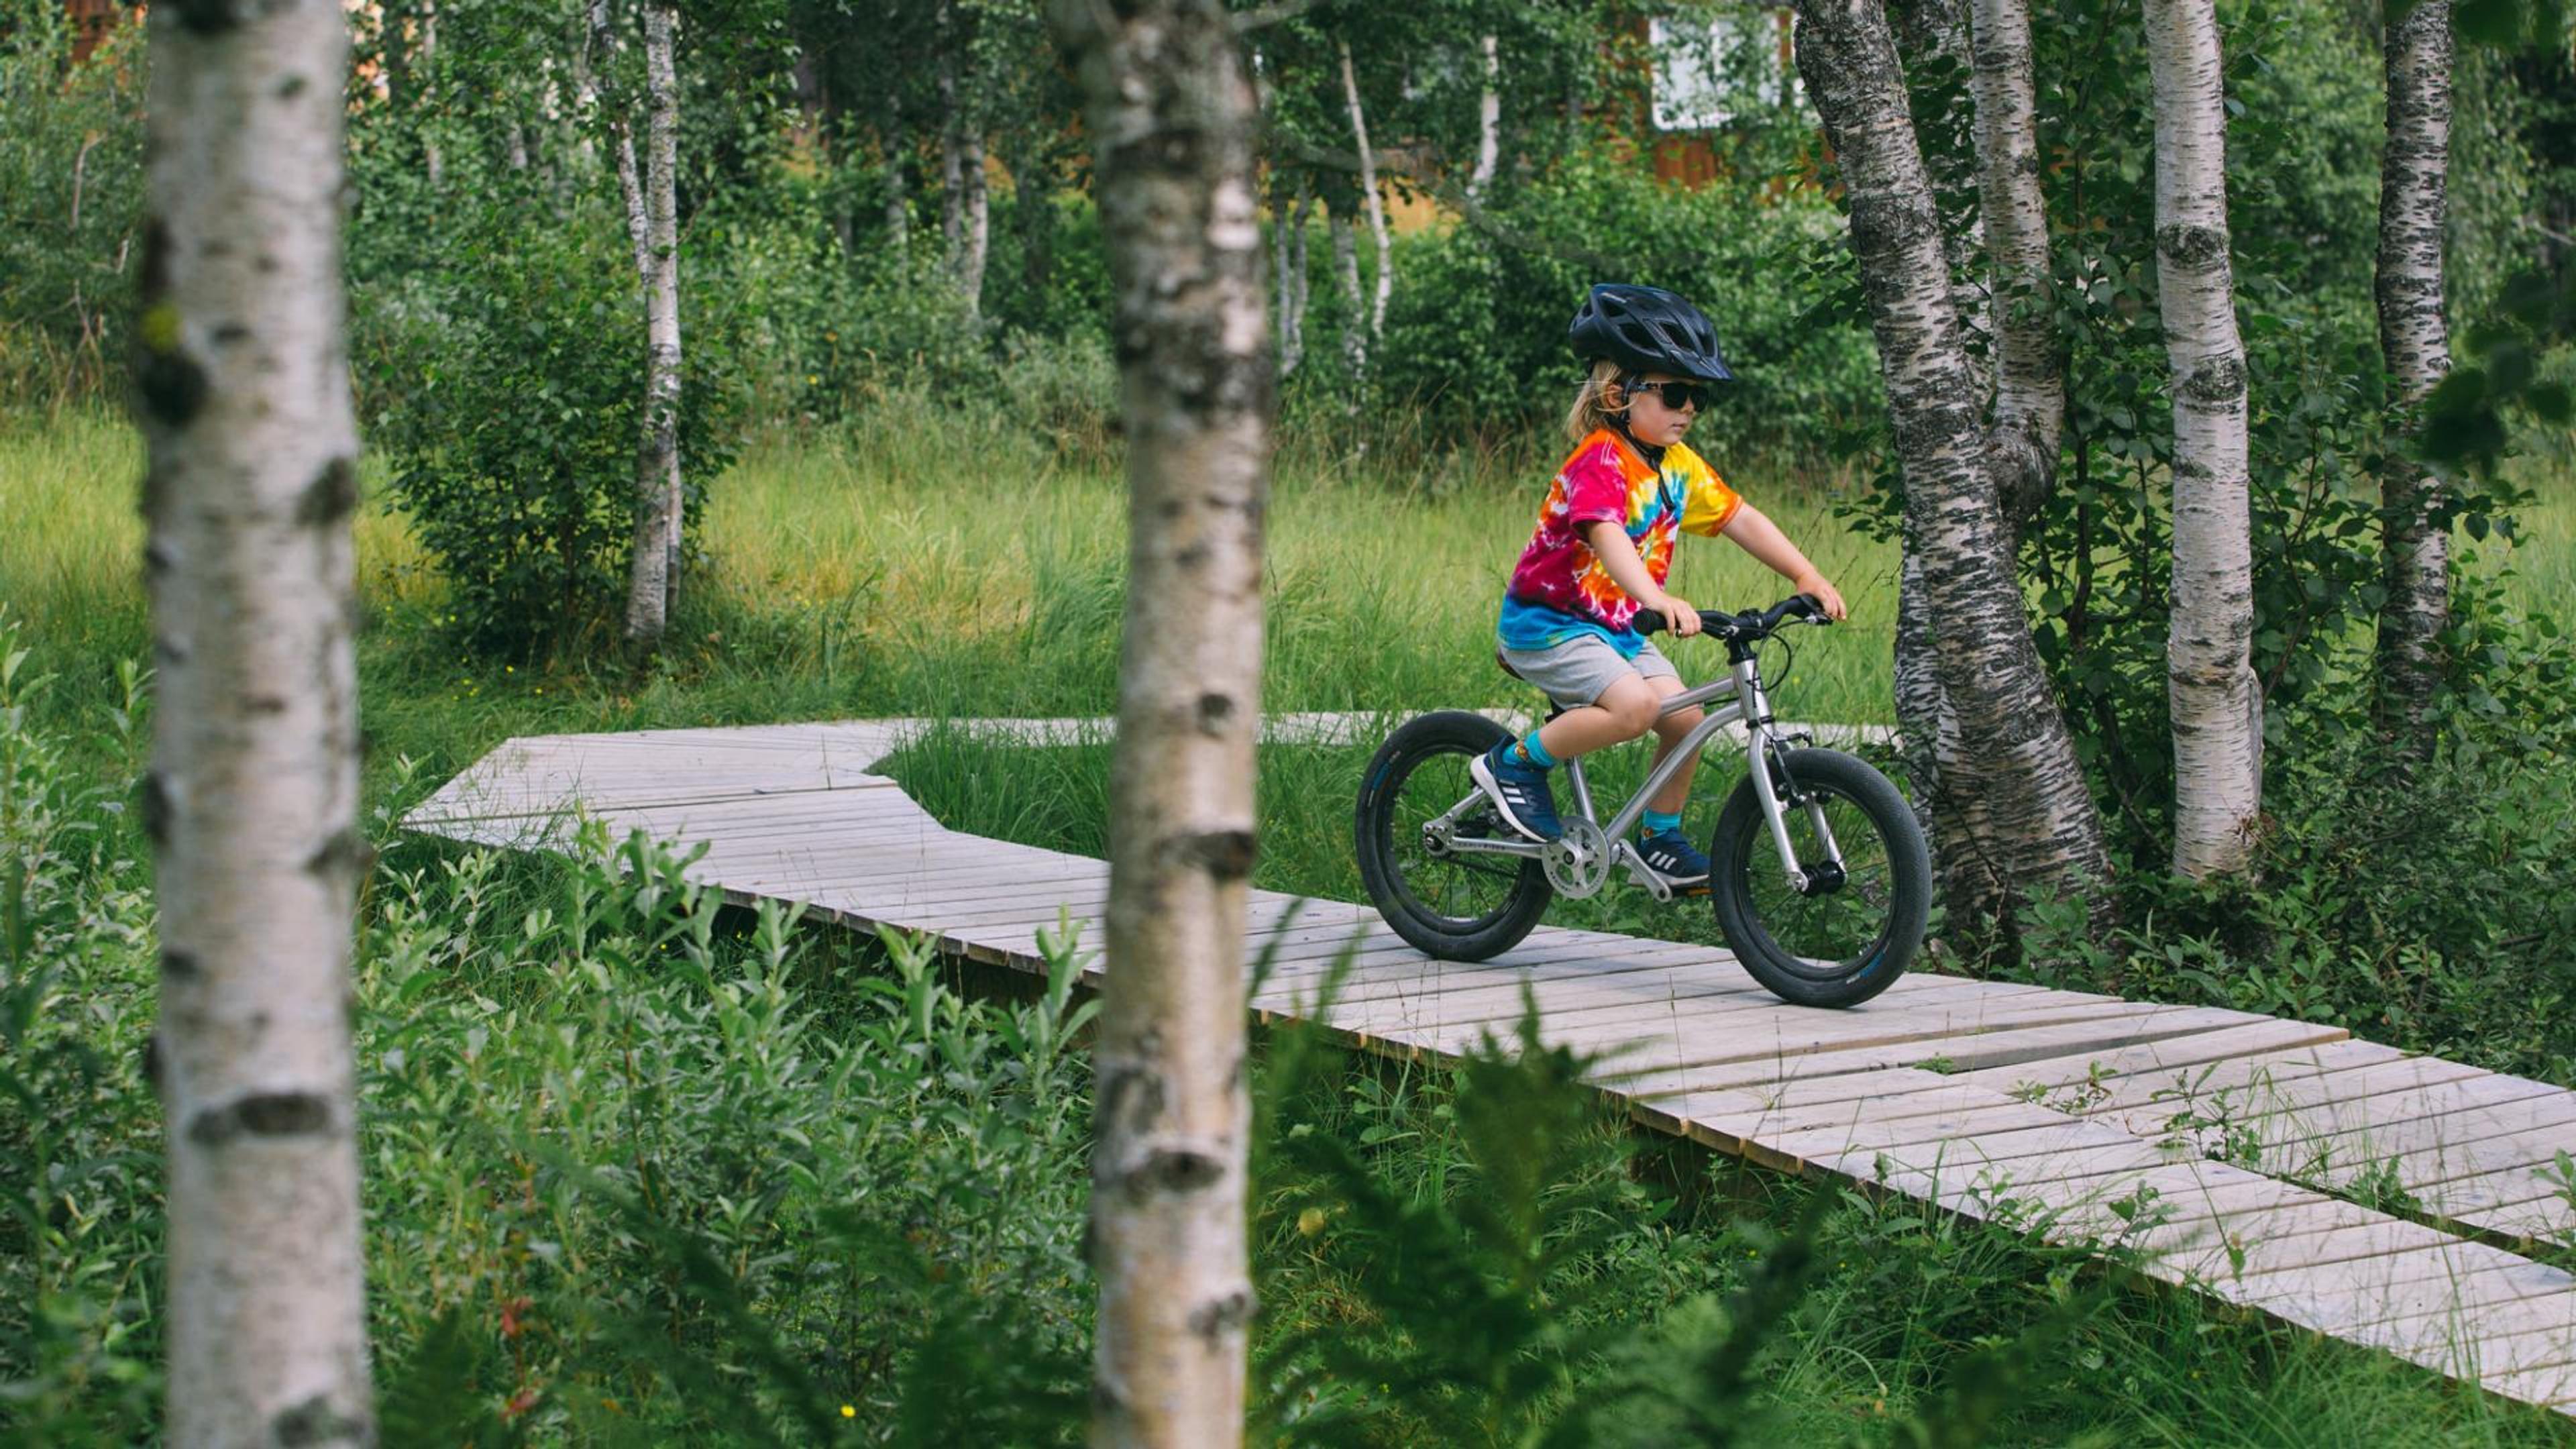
pixel 514 389
pixel 1476 332
pixel 71 186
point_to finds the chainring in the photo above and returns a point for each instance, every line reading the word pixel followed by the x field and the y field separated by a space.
pixel 1578 861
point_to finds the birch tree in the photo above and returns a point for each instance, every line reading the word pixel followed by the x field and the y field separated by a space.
pixel 2215 701
pixel 252 799
pixel 2012 813
pixel 1489 117
pixel 1171 114
pixel 649 192
pixel 1288 260
pixel 2024 378
pixel 1374 204
pixel 2414 342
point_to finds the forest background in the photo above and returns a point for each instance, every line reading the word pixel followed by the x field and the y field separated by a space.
pixel 637 1175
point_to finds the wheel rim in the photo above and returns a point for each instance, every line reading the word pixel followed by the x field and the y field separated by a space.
pixel 1830 935
pixel 1456 893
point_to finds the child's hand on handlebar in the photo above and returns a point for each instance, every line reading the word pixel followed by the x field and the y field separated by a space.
pixel 1814 583
pixel 1680 615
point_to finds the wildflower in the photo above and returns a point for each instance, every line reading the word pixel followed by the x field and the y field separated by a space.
pixel 848 1412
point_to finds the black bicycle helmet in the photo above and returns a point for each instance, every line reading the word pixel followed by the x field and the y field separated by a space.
pixel 1647 329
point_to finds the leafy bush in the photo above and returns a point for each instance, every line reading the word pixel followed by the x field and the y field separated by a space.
pixel 1476 332
pixel 513 392
pixel 71 186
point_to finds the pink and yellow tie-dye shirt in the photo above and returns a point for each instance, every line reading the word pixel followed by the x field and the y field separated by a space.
pixel 1559 590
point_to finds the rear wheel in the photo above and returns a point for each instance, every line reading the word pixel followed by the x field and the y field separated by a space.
pixel 1838 942
pixel 1459 906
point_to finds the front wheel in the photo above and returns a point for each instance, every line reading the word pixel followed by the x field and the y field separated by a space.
pixel 1456 905
pixel 1838 942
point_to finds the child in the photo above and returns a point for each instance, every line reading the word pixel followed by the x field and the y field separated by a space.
pixel 1603 548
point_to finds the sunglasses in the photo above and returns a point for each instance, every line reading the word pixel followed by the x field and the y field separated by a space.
pixel 1676 395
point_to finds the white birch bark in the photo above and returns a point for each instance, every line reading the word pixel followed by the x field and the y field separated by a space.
pixel 433 159
pixel 952 160
pixel 1172 120
pixel 2013 815
pixel 898 206
pixel 1489 119
pixel 252 800
pixel 2215 703
pixel 2414 343
pixel 1369 197
pixel 602 89
pixel 654 575
pixel 1942 28
pixel 2030 383
pixel 1288 259
pixel 975 228
pixel 1346 265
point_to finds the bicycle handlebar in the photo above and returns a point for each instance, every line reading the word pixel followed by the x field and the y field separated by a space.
pixel 1719 624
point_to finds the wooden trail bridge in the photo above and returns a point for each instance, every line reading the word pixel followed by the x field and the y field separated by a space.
pixel 2221 1150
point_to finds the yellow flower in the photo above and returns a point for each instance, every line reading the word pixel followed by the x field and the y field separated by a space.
pixel 848 1413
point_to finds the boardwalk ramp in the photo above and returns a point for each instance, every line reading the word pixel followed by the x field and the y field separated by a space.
pixel 2225 1151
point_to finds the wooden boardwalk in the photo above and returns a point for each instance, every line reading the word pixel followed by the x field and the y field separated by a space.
pixel 2209 1145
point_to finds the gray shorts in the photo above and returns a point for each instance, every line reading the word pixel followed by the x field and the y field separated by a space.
pixel 1576 672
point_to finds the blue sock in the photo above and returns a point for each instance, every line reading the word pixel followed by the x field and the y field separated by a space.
pixel 1536 753
pixel 1655 822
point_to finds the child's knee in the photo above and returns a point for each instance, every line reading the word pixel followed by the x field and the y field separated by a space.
pixel 1632 710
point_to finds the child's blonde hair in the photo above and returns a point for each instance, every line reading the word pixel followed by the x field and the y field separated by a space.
pixel 1592 411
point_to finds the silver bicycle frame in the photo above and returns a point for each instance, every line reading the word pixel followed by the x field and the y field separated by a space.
pixel 1751 705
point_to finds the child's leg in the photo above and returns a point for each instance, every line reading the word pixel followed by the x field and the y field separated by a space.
pixel 1624 711
pixel 1671 729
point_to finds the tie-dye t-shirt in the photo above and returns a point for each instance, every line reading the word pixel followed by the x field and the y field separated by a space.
pixel 1559 590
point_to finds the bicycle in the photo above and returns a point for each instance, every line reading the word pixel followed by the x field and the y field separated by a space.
pixel 1833 921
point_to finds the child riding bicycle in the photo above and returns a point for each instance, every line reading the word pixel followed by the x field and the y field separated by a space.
pixel 1600 554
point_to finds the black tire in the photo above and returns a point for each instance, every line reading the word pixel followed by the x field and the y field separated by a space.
pixel 1838 947
pixel 1457 908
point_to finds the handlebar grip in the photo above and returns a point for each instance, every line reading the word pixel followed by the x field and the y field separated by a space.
pixel 1647 621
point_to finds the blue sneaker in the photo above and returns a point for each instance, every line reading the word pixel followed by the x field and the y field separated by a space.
pixel 1519 791
pixel 1670 854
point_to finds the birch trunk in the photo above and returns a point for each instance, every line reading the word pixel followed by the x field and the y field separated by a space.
pixel 652 586
pixel 2216 705
pixel 898 203
pixel 2030 381
pixel 975 229
pixel 1941 28
pixel 1376 204
pixel 252 801
pixel 2013 815
pixel 1172 117
pixel 1288 258
pixel 1489 120
pixel 433 159
pixel 1346 265
pixel 952 161
pixel 2414 341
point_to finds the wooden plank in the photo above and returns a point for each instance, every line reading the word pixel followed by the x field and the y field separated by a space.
pixel 2473 1343
pixel 2253 1092
pixel 2283 1043
pixel 1564 1002
pixel 1733 1069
